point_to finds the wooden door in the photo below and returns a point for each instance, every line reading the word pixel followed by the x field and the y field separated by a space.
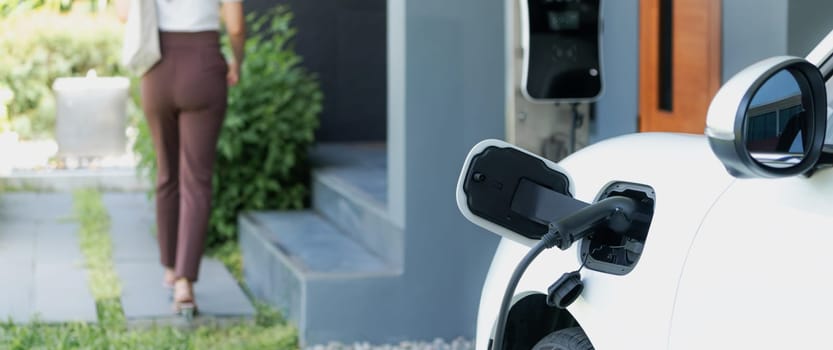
pixel 679 63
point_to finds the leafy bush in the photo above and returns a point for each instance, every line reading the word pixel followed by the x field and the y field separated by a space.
pixel 270 123
pixel 13 7
pixel 6 96
pixel 39 47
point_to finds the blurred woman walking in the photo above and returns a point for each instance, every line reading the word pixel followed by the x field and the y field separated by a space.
pixel 184 100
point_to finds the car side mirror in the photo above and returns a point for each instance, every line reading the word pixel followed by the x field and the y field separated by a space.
pixel 512 192
pixel 769 120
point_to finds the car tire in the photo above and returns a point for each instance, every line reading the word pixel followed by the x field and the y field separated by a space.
pixel 565 339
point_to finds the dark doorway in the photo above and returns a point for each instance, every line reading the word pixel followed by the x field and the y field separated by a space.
pixel 345 43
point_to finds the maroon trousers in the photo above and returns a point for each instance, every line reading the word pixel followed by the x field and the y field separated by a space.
pixel 184 100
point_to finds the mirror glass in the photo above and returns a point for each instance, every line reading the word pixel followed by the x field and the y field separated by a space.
pixel 776 122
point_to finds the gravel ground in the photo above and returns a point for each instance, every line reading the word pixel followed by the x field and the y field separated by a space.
pixel 438 344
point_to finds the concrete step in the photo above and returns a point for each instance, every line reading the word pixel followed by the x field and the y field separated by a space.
pixel 349 189
pixel 320 277
pixel 353 154
pixel 356 212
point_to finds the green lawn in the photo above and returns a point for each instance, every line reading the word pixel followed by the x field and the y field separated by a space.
pixel 269 331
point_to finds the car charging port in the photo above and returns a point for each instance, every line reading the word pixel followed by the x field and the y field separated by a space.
pixel 613 212
pixel 617 252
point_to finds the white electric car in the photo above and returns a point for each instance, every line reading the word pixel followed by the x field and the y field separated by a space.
pixel 722 241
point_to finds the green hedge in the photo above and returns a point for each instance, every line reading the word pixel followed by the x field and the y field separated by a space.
pixel 40 46
pixel 270 123
pixel 15 7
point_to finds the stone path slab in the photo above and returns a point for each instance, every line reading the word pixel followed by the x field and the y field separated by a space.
pixel 27 206
pixel 145 301
pixel 58 295
pixel 136 257
pixel 17 241
pixel 17 291
pixel 41 265
pixel 131 226
pixel 57 242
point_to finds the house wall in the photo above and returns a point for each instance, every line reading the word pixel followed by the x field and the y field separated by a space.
pixel 757 29
pixel 447 93
pixel 752 30
pixel 809 22
pixel 617 110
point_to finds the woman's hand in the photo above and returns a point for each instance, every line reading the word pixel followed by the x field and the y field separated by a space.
pixel 122 8
pixel 233 76
pixel 232 13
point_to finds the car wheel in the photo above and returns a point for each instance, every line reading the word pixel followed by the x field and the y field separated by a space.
pixel 565 339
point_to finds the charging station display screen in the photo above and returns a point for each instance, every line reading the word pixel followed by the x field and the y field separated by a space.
pixel 564 20
pixel 579 16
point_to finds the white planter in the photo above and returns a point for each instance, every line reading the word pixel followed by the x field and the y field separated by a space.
pixel 91 116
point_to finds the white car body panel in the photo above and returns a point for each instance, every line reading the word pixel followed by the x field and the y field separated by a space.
pixel 757 276
pixel 725 262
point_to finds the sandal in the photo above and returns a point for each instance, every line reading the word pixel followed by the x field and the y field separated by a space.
pixel 184 304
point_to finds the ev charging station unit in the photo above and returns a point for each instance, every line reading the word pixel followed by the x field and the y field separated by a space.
pixel 555 74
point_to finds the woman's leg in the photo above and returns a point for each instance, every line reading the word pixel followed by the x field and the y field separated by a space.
pixel 201 95
pixel 161 114
pixel 199 131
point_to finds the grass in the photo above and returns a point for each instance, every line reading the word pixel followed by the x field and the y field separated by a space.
pixel 96 247
pixel 269 331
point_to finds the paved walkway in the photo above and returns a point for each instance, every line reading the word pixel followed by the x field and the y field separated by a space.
pixel 42 276
pixel 41 262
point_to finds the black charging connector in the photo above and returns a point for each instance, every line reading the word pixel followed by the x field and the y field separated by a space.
pixel 615 212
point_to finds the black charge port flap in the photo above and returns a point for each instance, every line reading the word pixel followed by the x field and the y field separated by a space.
pixel 517 191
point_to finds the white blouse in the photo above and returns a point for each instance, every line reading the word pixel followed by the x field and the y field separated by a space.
pixel 189 15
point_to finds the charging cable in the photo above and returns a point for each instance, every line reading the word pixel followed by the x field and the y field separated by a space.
pixel 615 212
